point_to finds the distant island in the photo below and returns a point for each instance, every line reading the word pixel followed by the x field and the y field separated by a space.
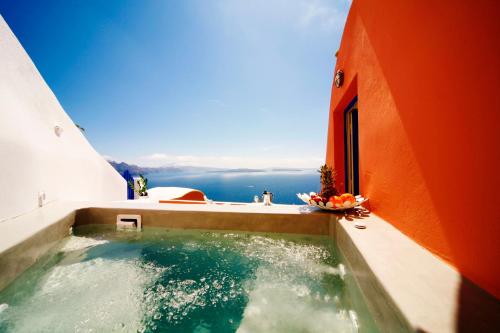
pixel 135 170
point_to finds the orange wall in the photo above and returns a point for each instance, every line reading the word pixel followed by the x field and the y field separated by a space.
pixel 427 77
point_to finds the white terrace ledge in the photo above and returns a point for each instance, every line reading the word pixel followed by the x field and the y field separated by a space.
pixel 423 287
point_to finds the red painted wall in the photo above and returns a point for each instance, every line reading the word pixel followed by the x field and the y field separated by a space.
pixel 427 77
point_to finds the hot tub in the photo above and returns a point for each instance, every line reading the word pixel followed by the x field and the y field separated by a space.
pixel 171 280
pixel 278 268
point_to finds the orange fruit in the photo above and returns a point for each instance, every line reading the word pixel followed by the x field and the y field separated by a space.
pixel 347 199
pixel 336 201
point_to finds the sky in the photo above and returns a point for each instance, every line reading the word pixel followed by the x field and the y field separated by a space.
pixel 219 83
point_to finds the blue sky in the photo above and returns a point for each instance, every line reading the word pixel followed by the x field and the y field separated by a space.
pixel 222 83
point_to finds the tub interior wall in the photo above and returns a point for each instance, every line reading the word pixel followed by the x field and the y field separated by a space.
pixel 20 257
pixel 312 224
pixel 381 306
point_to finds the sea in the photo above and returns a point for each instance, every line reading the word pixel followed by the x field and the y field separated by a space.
pixel 243 186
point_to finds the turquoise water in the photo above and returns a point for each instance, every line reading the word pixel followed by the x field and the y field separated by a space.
pixel 161 280
pixel 241 186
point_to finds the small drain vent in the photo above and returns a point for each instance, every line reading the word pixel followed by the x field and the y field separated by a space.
pixel 128 222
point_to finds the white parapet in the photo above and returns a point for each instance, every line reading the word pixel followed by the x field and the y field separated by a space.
pixel 41 149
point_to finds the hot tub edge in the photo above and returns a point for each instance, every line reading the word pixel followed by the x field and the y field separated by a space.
pixel 18 258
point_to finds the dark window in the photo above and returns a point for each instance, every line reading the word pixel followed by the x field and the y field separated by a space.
pixel 351 148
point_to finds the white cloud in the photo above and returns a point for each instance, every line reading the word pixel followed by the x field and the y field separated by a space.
pixel 308 15
pixel 161 159
pixel 108 157
pixel 271 148
pixel 317 12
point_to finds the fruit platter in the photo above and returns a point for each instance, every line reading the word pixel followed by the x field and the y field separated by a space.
pixel 335 202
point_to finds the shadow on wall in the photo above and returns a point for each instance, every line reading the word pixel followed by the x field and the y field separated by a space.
pixel 478 311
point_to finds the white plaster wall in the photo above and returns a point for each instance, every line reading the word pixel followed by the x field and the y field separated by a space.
pixel 32 157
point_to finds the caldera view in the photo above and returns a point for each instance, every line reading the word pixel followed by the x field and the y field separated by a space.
pixel 264 166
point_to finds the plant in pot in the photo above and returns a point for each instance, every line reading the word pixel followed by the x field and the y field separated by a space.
pixel 142 187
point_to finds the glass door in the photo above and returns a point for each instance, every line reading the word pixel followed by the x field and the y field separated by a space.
pixel 351 148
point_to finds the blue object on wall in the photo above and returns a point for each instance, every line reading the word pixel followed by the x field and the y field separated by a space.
pixel 128 177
